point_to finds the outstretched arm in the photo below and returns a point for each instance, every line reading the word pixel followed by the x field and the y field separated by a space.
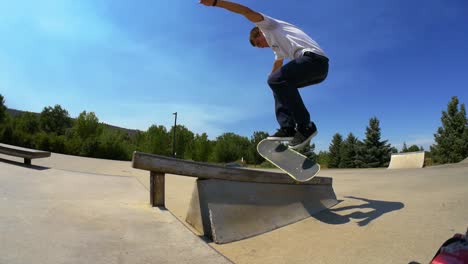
pixel 236 8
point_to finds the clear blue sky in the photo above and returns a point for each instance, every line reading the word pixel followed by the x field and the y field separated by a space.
pixel 134 63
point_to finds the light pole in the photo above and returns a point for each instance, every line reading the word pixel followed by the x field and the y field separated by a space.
pixel 174 135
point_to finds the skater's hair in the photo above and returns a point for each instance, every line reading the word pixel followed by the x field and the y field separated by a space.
pixel 254 33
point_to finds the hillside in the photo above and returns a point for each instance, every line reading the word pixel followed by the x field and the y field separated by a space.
pixel 130 132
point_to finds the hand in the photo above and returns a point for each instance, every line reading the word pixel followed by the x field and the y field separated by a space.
pixel 207 2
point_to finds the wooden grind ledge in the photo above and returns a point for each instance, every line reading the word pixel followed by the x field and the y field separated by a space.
pixel 160 165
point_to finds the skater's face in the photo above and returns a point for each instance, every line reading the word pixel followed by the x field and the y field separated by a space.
pixel 260 41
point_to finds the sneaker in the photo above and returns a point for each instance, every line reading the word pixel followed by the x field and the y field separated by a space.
pixel 303 136
pixel 284 134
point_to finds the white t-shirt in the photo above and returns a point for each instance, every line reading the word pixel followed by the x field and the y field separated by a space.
pixel 287 40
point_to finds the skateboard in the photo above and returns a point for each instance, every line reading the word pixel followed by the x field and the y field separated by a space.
pixel 292 162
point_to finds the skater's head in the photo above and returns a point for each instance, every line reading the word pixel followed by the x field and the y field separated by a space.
pixel 257 39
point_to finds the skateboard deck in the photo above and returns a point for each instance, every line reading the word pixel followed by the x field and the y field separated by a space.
pixel 296 165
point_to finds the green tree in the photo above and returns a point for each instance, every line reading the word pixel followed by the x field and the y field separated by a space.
pixel 184 141
pixel 311 153
pixel 348 152
pixel 373 153
pixel 202 148
pixel 335 151
pixel 323 158
pixel 253 156
pixel 28 123
pixel 87 125
pixel 230 147
pixel 7 135
pixel 452 137
pixel 50 142
pixel 158 141
pixel 113 144
pixel 85 134
pixel 139 140
pixel 55 120
pixel 2 109
pixel 23 128
pixel 405 148
pixel 413 148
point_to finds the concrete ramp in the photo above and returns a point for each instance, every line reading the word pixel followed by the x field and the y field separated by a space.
pixel 230 204
pixel 464 161
pixel 407 160
pixel 227 211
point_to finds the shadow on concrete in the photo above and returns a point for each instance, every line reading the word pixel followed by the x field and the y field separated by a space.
pixel 161 208
pixel 21 164
pixel 379 208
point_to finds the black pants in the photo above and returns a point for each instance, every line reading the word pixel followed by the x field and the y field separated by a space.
pixel 304 71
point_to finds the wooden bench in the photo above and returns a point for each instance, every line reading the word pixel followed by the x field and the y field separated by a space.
pixel 25 153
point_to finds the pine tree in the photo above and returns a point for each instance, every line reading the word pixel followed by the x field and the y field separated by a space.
pixel 373 153
pixel 323 158
pixel 334 149
pixel 452 138
pixel 405 148
pixel 310 153
pixel 349 151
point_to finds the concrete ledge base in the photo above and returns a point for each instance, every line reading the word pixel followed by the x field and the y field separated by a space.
pixel 227 211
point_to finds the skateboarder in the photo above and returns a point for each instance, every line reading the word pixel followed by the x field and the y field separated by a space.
pixel 307 65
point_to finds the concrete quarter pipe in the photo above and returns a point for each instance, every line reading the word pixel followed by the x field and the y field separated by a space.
pixel 407 160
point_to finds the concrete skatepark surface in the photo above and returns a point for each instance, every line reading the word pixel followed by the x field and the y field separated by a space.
pixel 57 216
pixel 69 209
